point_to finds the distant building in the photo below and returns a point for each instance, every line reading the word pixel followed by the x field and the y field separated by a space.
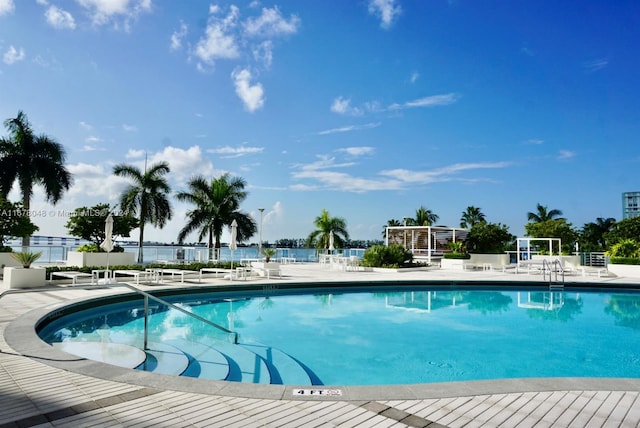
pixel 630 204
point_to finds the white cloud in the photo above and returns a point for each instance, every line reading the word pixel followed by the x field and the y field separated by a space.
pixel 263 53
pixel 342 105
pixel 252 96
pixel 566 154
pixel 93 139
pixel 218 42
pixel 177 36
pixel 320 171
pixel 386 10
pixel 357 151
pixel 431 101
pixel 271 23
pixel 60 19
pixel 129 128
pixel 595 65
pixel 92 148
pixel 134 154
pixel 349 128
pixel 414 77
pixel 184 164
pixel 324 175
pixel 13 55
pixel 534 141
pixel 119 13
pixel 440 174
pixel 6 7
pixel 85 125
pixel 232 152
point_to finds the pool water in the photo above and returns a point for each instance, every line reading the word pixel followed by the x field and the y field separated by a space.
pixel 396 337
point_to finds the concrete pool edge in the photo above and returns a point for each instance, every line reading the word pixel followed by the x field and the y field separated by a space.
pixel 21 336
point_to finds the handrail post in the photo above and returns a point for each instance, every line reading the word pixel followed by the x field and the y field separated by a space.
pixel 146 323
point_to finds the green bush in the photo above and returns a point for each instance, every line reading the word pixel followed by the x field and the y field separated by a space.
pixel 392 256
pixel 4 249
pixel 456 256
pixel 627 248
pixel 624 260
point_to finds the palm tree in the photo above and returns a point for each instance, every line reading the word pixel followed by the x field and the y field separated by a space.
pixel 31 159
pixel 424 217
pixel 326 224
pixel 470 217
pixel 543 214
pixel 216 205
pixel 146 197
pixel 390 223
pixel 593 234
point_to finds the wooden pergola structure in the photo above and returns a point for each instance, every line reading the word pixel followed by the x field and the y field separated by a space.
pixel 425 241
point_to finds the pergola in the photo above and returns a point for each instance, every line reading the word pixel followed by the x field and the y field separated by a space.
pixel 424 241
pixel 550 241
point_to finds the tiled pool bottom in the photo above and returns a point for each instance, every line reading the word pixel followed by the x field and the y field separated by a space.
pixel 38 389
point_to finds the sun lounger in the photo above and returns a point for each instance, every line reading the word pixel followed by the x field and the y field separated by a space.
pixel 268 272
pixel 175 272
pixel 73 275
pixel 214 271
pixel 147 275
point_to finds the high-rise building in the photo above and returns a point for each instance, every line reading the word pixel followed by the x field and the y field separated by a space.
pixel 630 204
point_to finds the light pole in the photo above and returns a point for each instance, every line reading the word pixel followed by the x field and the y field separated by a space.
pixel 260 233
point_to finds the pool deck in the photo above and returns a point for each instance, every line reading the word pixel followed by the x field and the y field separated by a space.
pixel 42 387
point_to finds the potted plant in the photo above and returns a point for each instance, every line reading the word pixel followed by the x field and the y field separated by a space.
pixel 25 276
pixel 26 258
pixel 268 253
pixel 267 268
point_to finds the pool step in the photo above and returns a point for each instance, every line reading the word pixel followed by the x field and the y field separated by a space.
pixel 204 361
pixel 244 365
pixel 284 369
pixel 164 359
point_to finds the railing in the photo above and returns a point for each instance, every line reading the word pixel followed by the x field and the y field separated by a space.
pixel 146 296
pixel 553 267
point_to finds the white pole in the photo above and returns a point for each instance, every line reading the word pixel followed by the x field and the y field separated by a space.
pixel 260 233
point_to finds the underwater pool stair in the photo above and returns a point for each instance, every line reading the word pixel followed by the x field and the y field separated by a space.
pixel 248 363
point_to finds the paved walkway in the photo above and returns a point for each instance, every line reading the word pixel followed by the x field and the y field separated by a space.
pixel 46 388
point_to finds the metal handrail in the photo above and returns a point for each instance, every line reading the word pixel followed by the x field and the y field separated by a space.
pixel 146 296
pixel 553 266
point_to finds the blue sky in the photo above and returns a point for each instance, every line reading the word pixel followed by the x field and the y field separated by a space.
pixel 367 108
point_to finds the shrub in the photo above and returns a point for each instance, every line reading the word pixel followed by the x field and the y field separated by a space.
pixel 625 248
pixel 4 249
pixel 456 256
pixel 624 260
pixel 392 256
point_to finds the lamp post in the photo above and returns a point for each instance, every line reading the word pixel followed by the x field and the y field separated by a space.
pixel 260 233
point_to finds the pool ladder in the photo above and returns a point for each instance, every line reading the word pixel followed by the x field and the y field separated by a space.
pixel 556 273
pixel 147 296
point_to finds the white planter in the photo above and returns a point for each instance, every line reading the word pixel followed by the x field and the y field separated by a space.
pixel 81 259
pixel 491 259
pixel 453 264
pixel 19 277
pixel 628 271
pixel 263 267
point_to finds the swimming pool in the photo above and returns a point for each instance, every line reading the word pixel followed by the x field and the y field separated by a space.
pixel 390 336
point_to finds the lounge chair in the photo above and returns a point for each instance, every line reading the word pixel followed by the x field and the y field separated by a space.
pixel 73 275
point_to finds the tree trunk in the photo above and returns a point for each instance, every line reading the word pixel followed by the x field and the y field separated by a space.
pixel 211 252
pixel 140 241
pixel 26 203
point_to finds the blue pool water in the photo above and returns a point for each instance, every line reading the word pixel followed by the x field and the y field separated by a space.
pixel 389 337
